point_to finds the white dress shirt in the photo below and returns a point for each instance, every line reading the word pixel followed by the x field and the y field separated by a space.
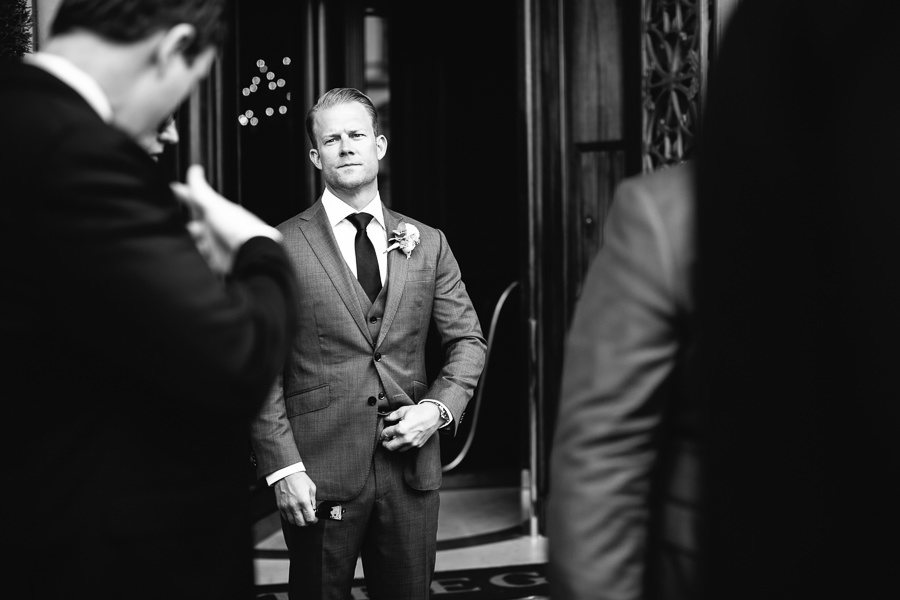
pixel 345 232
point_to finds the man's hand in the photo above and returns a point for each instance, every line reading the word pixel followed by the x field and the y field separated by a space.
pixel 219 227
pixel 414 425
pixel 296 499
pixel 217 256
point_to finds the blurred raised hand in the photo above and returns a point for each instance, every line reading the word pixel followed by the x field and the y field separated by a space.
pixel 219 226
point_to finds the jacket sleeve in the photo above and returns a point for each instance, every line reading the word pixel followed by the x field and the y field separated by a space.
pixel 270 434
pixel 462 341
pixel 619 352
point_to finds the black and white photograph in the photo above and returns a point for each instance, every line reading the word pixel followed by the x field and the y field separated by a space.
pixel 411 300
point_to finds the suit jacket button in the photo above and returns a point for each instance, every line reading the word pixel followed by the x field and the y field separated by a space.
pixel 377 356
pixel 373 320
pixel 372 401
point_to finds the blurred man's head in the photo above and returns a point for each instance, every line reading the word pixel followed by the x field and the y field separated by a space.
pixel 129 21
pixel 146 55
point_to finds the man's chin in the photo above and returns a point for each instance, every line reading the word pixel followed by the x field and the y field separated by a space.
pixel 353 182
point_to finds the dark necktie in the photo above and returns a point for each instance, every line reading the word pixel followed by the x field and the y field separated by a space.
pixel 366 261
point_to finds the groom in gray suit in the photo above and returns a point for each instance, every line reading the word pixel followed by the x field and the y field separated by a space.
pixel 350 424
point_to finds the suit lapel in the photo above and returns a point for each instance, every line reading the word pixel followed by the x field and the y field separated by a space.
pixel 398 265
pixel 320 235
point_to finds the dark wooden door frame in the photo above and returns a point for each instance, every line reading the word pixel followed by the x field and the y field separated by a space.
pixel 550 193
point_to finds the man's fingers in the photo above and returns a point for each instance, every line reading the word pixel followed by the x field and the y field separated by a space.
pixel 187 197
pixel 309 513
pixel 181 191
pixel 201 193
pixel 289 515
pixel 196 179
pixel 396 445
pixel 300 516
pixel 397 415
pixel 392 439
pixel 197 230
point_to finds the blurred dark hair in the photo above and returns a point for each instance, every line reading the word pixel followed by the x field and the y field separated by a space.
pixel 133 20
pixel 335 97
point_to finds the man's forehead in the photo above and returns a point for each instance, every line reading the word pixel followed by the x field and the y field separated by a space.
pixel 346 117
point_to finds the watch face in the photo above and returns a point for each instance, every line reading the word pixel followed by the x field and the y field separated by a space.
pixel 445 415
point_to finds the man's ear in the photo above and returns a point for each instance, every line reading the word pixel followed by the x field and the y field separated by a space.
pixel 381 146
pixel 314 158
pixel 174 42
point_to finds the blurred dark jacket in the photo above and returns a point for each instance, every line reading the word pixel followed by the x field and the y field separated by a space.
pixel 624 502
pixel 798 294
pixel 129 370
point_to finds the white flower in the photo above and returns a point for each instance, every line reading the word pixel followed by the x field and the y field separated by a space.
pixel 406 238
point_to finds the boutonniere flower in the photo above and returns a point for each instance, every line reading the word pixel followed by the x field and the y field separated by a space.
pixel 406 238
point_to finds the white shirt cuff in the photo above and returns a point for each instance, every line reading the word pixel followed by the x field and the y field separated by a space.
pixel 280 474
pixel 444 411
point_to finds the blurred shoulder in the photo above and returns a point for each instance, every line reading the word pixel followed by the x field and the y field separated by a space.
pixel 673 184
pixel 668 193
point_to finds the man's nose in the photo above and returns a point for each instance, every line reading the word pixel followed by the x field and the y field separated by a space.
pixel 346 148
pixel 169 135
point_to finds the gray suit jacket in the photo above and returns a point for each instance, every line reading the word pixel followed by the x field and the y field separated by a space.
pixel 352 359
pixel 623 465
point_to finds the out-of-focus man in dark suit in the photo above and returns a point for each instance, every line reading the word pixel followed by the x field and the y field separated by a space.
pixel 130 367
pixel 622 515
pixel 798 224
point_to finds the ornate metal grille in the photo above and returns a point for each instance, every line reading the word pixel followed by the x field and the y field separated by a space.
pixel 673 36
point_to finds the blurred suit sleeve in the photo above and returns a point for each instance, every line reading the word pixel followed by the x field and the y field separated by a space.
pixel 626 340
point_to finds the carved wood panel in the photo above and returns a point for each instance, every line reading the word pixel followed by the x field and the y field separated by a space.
pixel 673 55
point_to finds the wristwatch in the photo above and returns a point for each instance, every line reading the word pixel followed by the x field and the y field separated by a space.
pixel 445 414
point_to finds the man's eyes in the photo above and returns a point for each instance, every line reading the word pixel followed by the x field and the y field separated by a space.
pixel 354 135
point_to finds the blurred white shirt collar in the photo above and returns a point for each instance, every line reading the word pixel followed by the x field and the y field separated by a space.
pixel 75 78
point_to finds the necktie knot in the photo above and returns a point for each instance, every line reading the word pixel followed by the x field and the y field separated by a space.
pixel 360 220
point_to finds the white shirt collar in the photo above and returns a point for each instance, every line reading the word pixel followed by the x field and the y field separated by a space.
pixel 75 78
pixel 338 210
